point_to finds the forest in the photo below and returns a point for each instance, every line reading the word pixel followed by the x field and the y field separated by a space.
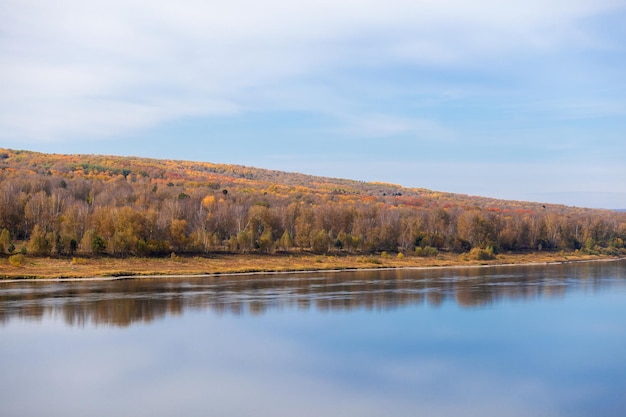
pixel 62 205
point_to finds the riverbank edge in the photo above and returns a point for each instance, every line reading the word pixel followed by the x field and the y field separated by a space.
pixel 311 270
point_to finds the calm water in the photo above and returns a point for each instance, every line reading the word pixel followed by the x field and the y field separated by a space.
pixel 522 341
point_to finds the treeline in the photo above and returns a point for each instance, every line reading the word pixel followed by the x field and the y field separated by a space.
pixel 123 214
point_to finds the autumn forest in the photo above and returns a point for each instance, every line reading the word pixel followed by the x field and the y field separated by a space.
pixel 62 205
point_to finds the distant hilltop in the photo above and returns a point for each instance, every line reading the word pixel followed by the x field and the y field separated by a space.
pixel 121 206
pixel 236 177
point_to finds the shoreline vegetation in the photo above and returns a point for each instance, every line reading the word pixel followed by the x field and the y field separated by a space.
pixel 75 216
pixel 103 268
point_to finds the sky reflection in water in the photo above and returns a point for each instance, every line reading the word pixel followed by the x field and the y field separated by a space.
pixel 519 341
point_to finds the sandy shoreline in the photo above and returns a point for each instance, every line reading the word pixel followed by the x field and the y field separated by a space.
pixel 301 272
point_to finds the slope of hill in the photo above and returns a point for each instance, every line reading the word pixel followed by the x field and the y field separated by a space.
pixel 241 178
pixel 138 206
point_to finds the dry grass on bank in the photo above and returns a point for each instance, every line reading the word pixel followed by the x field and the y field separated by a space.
pixel 52 268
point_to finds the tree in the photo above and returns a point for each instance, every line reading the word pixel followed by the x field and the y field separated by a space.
pixel 38 211
pixel 93 243
pixel 98 244
pixel 38 244
pixel 245 241
pixel 286 242
pixel 12 202
pixel 266 242
pixel 476 229
pixel 73 246
pixel 59 248
pixel 321 242
pixel 5 240
pixel 178 235
pixel 303 227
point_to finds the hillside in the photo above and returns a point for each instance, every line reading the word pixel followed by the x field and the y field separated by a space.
pixel 191 175
pixel 63 204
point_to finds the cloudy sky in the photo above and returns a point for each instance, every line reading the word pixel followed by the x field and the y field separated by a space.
pixel 509 99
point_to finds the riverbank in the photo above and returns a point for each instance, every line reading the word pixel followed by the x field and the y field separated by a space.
pixel 222 264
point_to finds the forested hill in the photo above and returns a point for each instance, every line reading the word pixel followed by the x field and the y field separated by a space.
pixel 61 204
pixel 197 175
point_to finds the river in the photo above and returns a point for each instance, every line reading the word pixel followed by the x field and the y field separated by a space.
pixel 502 341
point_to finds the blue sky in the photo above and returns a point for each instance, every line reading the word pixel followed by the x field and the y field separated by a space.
pixel 508 99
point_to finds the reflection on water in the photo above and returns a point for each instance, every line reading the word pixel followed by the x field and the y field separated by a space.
pixel 124 302
pixel 489 342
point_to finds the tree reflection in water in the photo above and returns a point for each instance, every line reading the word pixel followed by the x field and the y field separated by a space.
pixel 123 302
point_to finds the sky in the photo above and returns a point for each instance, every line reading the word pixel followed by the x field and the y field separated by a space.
pixel 506 99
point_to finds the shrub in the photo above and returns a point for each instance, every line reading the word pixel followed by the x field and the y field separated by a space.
pixel 479 254
pixel 78 261
pixel 400 255
pixel 17 260
pixel 426 251
pixel 611 251
pixel 369 259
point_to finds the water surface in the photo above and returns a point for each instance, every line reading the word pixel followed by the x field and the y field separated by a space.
pixel 505 341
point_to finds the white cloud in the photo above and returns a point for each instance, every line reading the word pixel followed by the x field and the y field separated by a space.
pixel 98 68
